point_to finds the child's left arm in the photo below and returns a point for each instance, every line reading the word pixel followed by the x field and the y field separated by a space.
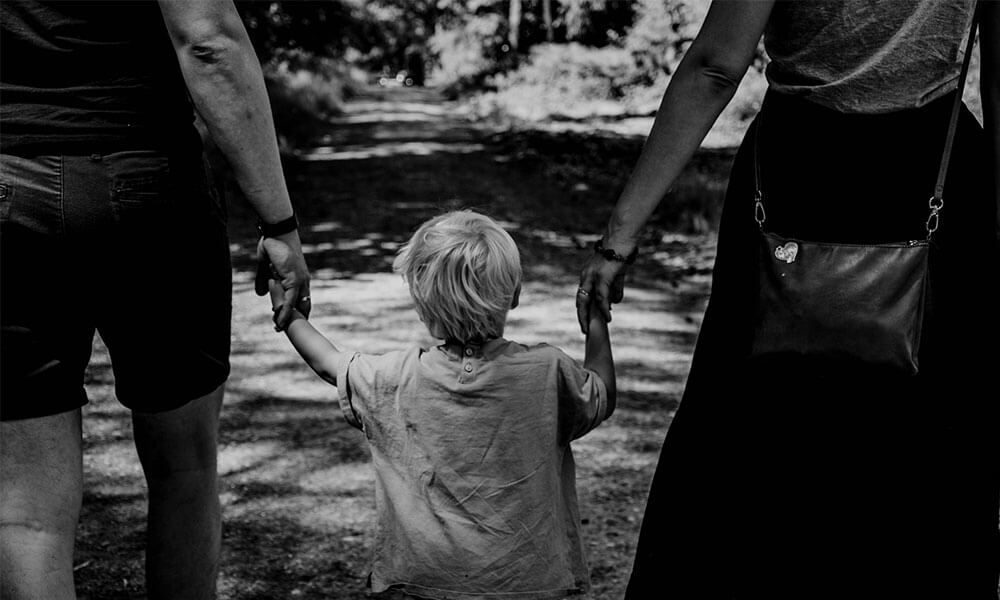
pixel 318 352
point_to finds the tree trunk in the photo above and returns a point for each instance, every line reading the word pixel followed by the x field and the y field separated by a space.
pixel 514 23
pixel 547 19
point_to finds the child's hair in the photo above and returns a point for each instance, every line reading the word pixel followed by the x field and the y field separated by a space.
pixel 463 270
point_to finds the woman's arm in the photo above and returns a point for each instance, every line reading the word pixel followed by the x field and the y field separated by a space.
pixel 989 87
pixel 702 86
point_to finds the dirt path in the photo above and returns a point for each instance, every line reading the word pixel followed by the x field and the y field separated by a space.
pixel 296 481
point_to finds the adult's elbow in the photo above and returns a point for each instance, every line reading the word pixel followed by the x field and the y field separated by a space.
pixel 204 30
pixel 721 77
pixel 210 42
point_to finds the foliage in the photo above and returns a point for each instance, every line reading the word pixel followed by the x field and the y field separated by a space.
pixel 327 28
pixel 621 79
pixel 606 58
pixel 592 22
pixel 566 81
pixel 468 46
pixel 475 39
pixel 304 90
pixel 661 33
pixel 375 34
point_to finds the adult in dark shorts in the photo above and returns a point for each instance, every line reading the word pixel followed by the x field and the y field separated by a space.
pixel 107 222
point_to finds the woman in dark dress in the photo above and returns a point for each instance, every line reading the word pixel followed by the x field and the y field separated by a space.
pixel 805 480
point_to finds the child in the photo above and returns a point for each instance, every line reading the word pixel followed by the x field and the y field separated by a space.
pixel 474 477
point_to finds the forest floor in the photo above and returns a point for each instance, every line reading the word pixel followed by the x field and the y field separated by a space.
pixel 296 480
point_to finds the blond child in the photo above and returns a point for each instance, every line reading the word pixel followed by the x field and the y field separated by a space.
pixel 470 440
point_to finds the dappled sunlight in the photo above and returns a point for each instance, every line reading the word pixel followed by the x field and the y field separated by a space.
pixel 350 478
pixel 116 460
pixel 330 153
pixel 241 457
pixel 391 106
pixel 324 226
pixel 296 481
pixel 387 116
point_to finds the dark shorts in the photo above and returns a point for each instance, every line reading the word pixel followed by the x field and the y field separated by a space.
pixel 132 245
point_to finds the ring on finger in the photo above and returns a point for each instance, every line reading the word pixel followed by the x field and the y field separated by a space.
pixel 582 292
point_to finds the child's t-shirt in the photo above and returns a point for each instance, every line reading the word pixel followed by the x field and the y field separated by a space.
pixel 475 484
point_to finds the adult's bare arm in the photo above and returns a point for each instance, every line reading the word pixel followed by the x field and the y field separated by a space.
pixel 989 87
pixel 704 83
pixel 224 78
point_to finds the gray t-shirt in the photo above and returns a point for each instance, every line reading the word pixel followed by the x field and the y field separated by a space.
pixel 867 56
pixel 475 487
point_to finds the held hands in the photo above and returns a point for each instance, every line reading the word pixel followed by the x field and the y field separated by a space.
pixel 280 261
pixel 277 294
pixel 602 283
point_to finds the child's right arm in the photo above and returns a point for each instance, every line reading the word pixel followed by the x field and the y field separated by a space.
pixel 597 356
pixel 311 345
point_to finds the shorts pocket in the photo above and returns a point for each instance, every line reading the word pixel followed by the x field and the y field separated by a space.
pixel 6 197
pixel 142 191
pixel 145 217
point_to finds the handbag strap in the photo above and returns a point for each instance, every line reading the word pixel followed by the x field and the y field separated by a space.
pixel 936 202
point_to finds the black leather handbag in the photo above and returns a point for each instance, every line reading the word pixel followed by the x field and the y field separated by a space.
pixel 847 303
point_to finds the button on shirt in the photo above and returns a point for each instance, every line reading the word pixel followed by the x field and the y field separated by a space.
pixel 474 477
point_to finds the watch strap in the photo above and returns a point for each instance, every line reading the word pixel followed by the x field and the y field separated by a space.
pixel 280 228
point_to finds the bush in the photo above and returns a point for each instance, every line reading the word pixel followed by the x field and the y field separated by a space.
pixel 661 33
pixel 303 91
pixel 564 81
pixel 467 53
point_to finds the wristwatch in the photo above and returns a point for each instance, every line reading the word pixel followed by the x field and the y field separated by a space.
pixel 610 254
pixel 270 230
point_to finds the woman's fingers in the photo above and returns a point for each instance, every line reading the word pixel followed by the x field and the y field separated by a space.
pixel 284 315
pixel 602 283
pixel 263 269
pixel 618 287
pixel 602 298
pixel 583 294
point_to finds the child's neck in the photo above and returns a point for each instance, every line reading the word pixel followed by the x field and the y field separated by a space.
pixel 457 344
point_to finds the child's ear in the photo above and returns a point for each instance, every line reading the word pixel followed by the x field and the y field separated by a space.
pixel 517 297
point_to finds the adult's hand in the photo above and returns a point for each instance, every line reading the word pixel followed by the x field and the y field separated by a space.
pixel 282 257
pixel 602 283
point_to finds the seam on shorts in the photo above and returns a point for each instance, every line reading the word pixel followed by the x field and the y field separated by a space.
pixel 62 196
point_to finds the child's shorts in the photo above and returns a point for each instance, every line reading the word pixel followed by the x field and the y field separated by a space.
pixel 132 245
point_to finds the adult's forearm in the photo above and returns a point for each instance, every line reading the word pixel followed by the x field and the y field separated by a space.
pixel 696 96
pixel 224 79
pixel 228 91
pixel 700 89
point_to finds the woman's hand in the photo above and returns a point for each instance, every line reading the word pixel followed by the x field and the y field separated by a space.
pixel 602 283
